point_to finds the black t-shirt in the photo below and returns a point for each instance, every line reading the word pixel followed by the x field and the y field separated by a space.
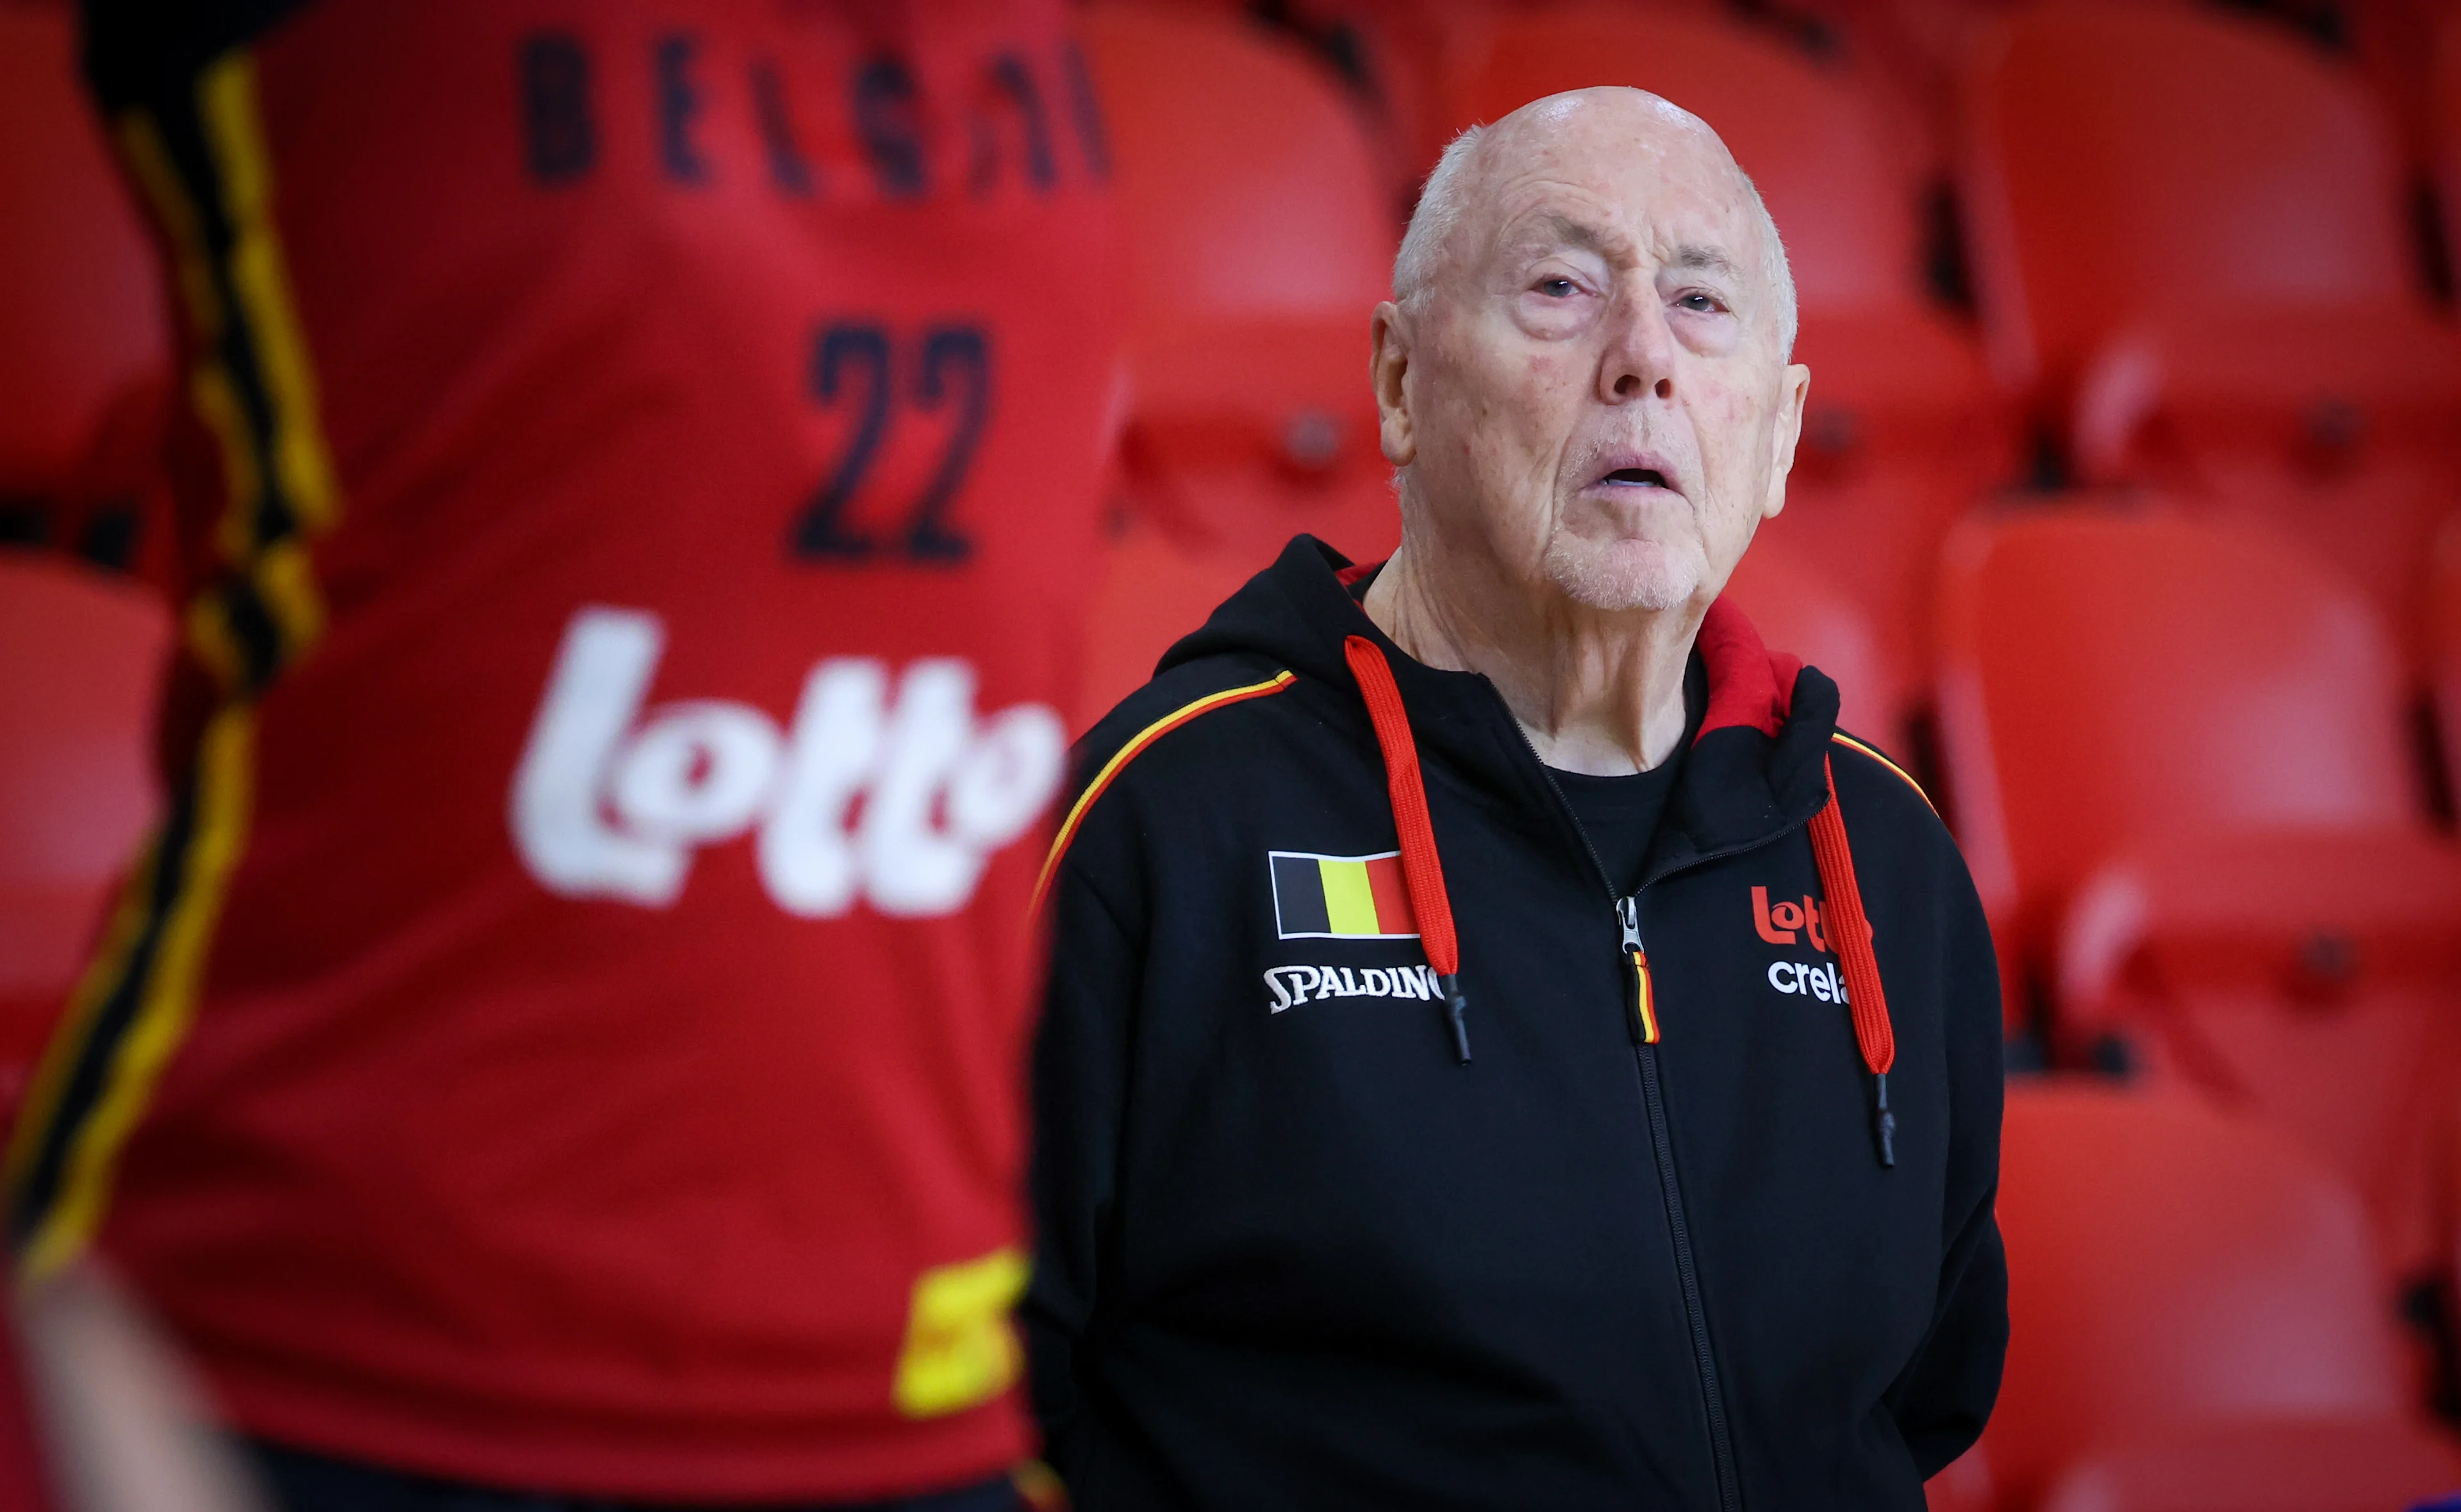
pixel 1621 814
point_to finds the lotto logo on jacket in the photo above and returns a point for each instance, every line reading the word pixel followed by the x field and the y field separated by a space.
pixel 897 796
pixel 1340 897
pixel 1780 923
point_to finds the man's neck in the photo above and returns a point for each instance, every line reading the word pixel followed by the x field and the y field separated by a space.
pixel 1596 692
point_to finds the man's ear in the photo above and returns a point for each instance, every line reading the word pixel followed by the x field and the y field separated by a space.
pixel 1388 365
pixel 1782 436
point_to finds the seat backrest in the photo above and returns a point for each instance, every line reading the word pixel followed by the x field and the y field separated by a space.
pixel 80 662
pixel 2127 160
pixel 1246 178
pixel 1258 243
pixel 2111 676
pixel 81 317
pixel 1811 139
pixel 2266 1466
pixel 2170 1264
pixel 1797 610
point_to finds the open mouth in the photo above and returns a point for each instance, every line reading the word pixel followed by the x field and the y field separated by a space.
pixel 1638 476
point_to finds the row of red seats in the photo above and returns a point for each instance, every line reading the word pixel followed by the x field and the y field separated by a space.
pixel 2180 754
pixel 2190 235
pixel 1408 57
pixel 2194 1323
pixel 2176 728
pixel 82 320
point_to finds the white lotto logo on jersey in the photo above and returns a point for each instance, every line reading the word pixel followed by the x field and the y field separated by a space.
pixel 888 789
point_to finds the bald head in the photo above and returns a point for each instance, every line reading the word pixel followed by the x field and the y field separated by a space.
pixel 1455 183
pixel 1585 374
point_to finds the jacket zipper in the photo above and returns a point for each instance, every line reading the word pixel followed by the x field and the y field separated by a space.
pixel 1642 1021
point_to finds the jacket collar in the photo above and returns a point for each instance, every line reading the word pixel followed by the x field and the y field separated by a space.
pixel 1756 770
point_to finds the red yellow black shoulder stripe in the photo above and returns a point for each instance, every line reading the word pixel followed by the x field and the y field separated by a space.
pixel 1852 744
pixel 197 149
pixel 1134 748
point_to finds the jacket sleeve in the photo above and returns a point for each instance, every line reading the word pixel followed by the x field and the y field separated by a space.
pixel 1945 1395
pixel 1080 1072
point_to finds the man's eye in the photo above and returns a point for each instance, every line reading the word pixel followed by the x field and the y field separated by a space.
pixel 1701 304
pixel 1557 287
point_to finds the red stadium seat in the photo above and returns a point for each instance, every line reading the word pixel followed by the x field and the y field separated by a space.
pixel 2127 160
pixel 2111 676
pixel 1392 53
pixel 2181 1280
pixel 2182 779
pixel 84 346
pixel 2359 1466
pixel 80 657
pixel 1964 1485
pixel 1152 592
pixel 2308 977
pixel 2192 235
pixel 1798 609
pixel 1902 433
pixel 1258 246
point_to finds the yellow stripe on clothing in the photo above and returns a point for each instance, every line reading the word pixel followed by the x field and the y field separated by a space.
pixel 252 385
pixel 285 584
pixel 166 1001
pixel 1647 1001
pixel 139 139
pixel 234 129
pixel 1852 744
pixel 1128 752
pixel 214 395
pixel 1349 899
pixel 129 916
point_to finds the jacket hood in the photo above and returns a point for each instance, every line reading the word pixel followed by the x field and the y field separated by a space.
pixel 1757 767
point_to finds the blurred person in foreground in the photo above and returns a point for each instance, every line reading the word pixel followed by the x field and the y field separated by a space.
pixel 567 1039
pixel 1505 1047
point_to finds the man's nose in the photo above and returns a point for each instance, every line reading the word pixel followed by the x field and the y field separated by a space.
pixel 1639 361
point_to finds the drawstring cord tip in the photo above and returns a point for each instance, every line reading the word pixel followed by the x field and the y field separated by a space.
pixel 1884 1124
pixel 1455 1006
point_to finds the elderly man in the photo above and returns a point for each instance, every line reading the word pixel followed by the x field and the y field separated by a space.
pixel 1505 1048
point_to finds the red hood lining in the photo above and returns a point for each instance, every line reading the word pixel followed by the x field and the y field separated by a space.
pixel 1750 685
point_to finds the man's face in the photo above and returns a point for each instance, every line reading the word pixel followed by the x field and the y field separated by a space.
pixel 1592 391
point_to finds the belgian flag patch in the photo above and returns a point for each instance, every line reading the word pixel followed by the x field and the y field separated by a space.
pixel 1340 897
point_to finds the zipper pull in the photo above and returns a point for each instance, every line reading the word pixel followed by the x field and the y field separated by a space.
pixel 1643 1019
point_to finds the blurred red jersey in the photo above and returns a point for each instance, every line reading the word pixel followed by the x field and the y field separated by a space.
pixel 643 459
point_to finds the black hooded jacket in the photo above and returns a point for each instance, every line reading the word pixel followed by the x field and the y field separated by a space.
pixel 1296 1252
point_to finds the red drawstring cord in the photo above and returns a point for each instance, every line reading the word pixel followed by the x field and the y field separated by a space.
pixel 1421 870
pixel 1848 928
pixel 1849 931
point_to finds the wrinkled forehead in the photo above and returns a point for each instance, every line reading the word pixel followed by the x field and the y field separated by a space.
pixel 1637 177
